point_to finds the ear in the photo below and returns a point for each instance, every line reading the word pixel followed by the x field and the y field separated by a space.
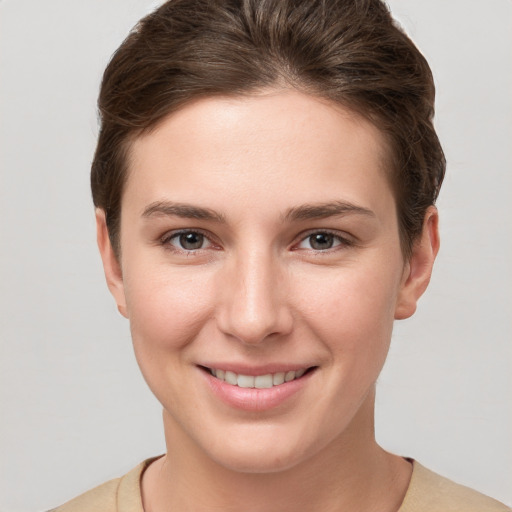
pixel 111 266
pixel 418 269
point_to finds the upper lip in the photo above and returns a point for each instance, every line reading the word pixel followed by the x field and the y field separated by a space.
pixel 256 370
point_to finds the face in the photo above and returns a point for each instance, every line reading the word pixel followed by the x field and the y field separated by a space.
pixel 261 272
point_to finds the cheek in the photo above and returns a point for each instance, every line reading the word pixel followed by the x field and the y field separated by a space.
pixel 166 308
pixel 352 311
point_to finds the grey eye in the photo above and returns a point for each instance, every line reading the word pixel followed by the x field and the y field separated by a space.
pixel 189 241
pixel 321 241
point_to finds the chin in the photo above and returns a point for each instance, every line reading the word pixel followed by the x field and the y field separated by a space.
pixel 270 451
pixel 258 461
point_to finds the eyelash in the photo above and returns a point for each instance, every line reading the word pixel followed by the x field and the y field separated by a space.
pixel 343 242
pixel 166 240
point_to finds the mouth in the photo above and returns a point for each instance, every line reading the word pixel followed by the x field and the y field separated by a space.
pixel 266 381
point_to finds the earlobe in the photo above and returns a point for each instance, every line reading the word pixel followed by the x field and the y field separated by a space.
pixel 419 268
pixel 111 265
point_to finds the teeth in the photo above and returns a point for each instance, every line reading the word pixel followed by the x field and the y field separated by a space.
pixel 245 381
pixel 231 378
pixel 263 381
pixel 289 376
pixel 278 378
pixel 260 381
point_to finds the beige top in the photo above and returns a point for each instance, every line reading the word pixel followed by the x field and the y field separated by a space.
pixel 427 492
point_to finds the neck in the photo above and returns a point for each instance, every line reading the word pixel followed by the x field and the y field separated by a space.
pixel 351 473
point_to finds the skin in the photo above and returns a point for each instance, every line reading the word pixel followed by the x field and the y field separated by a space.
pixel 258 292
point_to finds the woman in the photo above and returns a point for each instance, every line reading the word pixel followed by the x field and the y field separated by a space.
pixel 265 180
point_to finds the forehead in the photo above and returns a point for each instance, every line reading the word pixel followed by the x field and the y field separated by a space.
pixel 286 142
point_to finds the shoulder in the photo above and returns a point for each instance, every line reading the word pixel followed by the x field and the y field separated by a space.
pixel 119 494
pixel 101 498
pixel 430 492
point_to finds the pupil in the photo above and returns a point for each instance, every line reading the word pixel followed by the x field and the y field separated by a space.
pixel 321 241
pixel 191 241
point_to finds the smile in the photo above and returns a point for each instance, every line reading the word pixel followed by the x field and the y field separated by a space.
pixel 257 381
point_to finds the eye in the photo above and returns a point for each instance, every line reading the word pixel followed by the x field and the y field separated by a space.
pixel 322 241
pixel 188 241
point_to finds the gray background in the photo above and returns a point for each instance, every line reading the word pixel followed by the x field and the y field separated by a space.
pixel 74 410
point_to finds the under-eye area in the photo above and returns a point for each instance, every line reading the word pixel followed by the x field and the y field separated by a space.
pixel 266 381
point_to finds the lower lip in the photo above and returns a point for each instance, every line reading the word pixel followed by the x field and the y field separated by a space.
pixel 253 399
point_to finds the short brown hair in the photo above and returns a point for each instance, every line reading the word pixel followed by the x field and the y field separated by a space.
pixel 348 51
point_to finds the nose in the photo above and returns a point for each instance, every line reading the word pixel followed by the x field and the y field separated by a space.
pixel 253 305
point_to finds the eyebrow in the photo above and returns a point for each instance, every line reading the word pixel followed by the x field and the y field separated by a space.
pixel 324 210
pixel 187 211
pixel 302 212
